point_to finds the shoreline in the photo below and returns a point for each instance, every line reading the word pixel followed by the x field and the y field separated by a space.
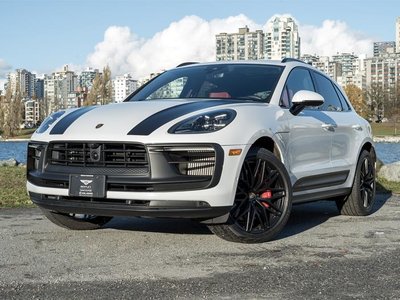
pixel 15 140
pixel 386 139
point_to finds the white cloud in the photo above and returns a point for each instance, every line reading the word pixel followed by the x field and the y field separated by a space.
pixel 2 82
pixel 193 39
pixel 332 37
pixel 189 39
pixel 5 68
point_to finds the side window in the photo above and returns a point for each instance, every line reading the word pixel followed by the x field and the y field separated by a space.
pixel 299 79
pixel 345 104
pixel 326 89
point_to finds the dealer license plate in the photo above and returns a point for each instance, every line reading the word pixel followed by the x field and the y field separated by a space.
pixel 87 186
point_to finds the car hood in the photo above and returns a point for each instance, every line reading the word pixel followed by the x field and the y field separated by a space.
pixel 128 118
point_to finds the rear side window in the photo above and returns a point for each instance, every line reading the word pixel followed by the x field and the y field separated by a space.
pixel 345 104
pixel 326 89
pixel 299 79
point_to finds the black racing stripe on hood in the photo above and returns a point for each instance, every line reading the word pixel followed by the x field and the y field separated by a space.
pixel 150 124
pixel 62 125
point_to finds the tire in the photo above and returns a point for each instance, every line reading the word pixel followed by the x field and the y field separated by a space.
pixel 360 201
pixel 262 203
pixel 75 221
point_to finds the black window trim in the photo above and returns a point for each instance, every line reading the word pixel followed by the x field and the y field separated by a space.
pixel 339 92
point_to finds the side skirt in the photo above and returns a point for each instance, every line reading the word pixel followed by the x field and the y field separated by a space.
pixel 303 198
pixel 320 181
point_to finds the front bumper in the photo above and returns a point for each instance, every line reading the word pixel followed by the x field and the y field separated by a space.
pixel 196 197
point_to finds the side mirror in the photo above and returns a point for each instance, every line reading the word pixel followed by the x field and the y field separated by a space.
pixel 305 98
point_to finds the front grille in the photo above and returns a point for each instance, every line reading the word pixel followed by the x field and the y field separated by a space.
pixel 196 161
pixel 78 154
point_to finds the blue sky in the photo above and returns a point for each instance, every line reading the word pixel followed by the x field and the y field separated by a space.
pixel 42 35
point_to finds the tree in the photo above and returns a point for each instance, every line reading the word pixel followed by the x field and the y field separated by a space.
pixel 93 95
pixel 356 97
pixel 106 86
pixel 101 90
pixel 2 108
pixel 17 110
pixel 11 112
pixel 375 96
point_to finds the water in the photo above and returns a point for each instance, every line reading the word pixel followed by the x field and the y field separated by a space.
pixel 387 152
pixel 16 150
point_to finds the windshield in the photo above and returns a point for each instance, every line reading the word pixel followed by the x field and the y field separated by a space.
pixel 221 81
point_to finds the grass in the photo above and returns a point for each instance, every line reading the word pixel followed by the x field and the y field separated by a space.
pixel 385 129
pixel 24 134
pixel 12 187
pixel 13 191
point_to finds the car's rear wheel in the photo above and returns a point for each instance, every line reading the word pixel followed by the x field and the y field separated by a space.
pixel 262 203
pixel 76 221
pixel 361 200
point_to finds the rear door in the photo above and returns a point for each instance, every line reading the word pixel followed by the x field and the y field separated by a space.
pixel 344 123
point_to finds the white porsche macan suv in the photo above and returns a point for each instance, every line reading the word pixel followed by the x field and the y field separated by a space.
pixel 230 144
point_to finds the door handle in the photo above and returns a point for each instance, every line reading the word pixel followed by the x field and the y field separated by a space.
pixel 329 127
pixel 357 127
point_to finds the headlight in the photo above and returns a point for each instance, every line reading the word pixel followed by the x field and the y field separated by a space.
pixel 49 120
pixel 206 122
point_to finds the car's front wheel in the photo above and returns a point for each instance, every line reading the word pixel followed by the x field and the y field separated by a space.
pixel 361 200
pixel 76 221
pixel 262 203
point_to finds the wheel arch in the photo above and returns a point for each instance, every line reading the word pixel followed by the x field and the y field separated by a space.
pixel 369 146
pixel 270 144
pixel 260 140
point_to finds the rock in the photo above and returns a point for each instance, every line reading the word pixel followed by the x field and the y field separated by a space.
pixel 390 172
pixel 9 162
pixel 379 164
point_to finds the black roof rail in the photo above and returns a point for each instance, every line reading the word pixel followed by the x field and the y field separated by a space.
pixel 289 59
pixel 187 63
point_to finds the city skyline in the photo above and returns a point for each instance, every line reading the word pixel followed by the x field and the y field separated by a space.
pixel 149 46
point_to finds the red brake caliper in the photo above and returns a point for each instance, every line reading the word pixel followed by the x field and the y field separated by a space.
pixel 266 195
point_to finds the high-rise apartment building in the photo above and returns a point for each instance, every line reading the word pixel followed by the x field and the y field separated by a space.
pixel 349 61
pixel 243 45
pixel 24 80
pixel 57 87
pixel 282 39
pixel 381 48
pixel 86 78
pixel 32 115
pixel 398 35
pixel 383 78
pixel 39 88
pixel 383 70
pixel 123 86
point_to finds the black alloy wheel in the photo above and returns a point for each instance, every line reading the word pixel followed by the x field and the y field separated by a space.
pixel 262 203
pixel 361 200
pixel 367 182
